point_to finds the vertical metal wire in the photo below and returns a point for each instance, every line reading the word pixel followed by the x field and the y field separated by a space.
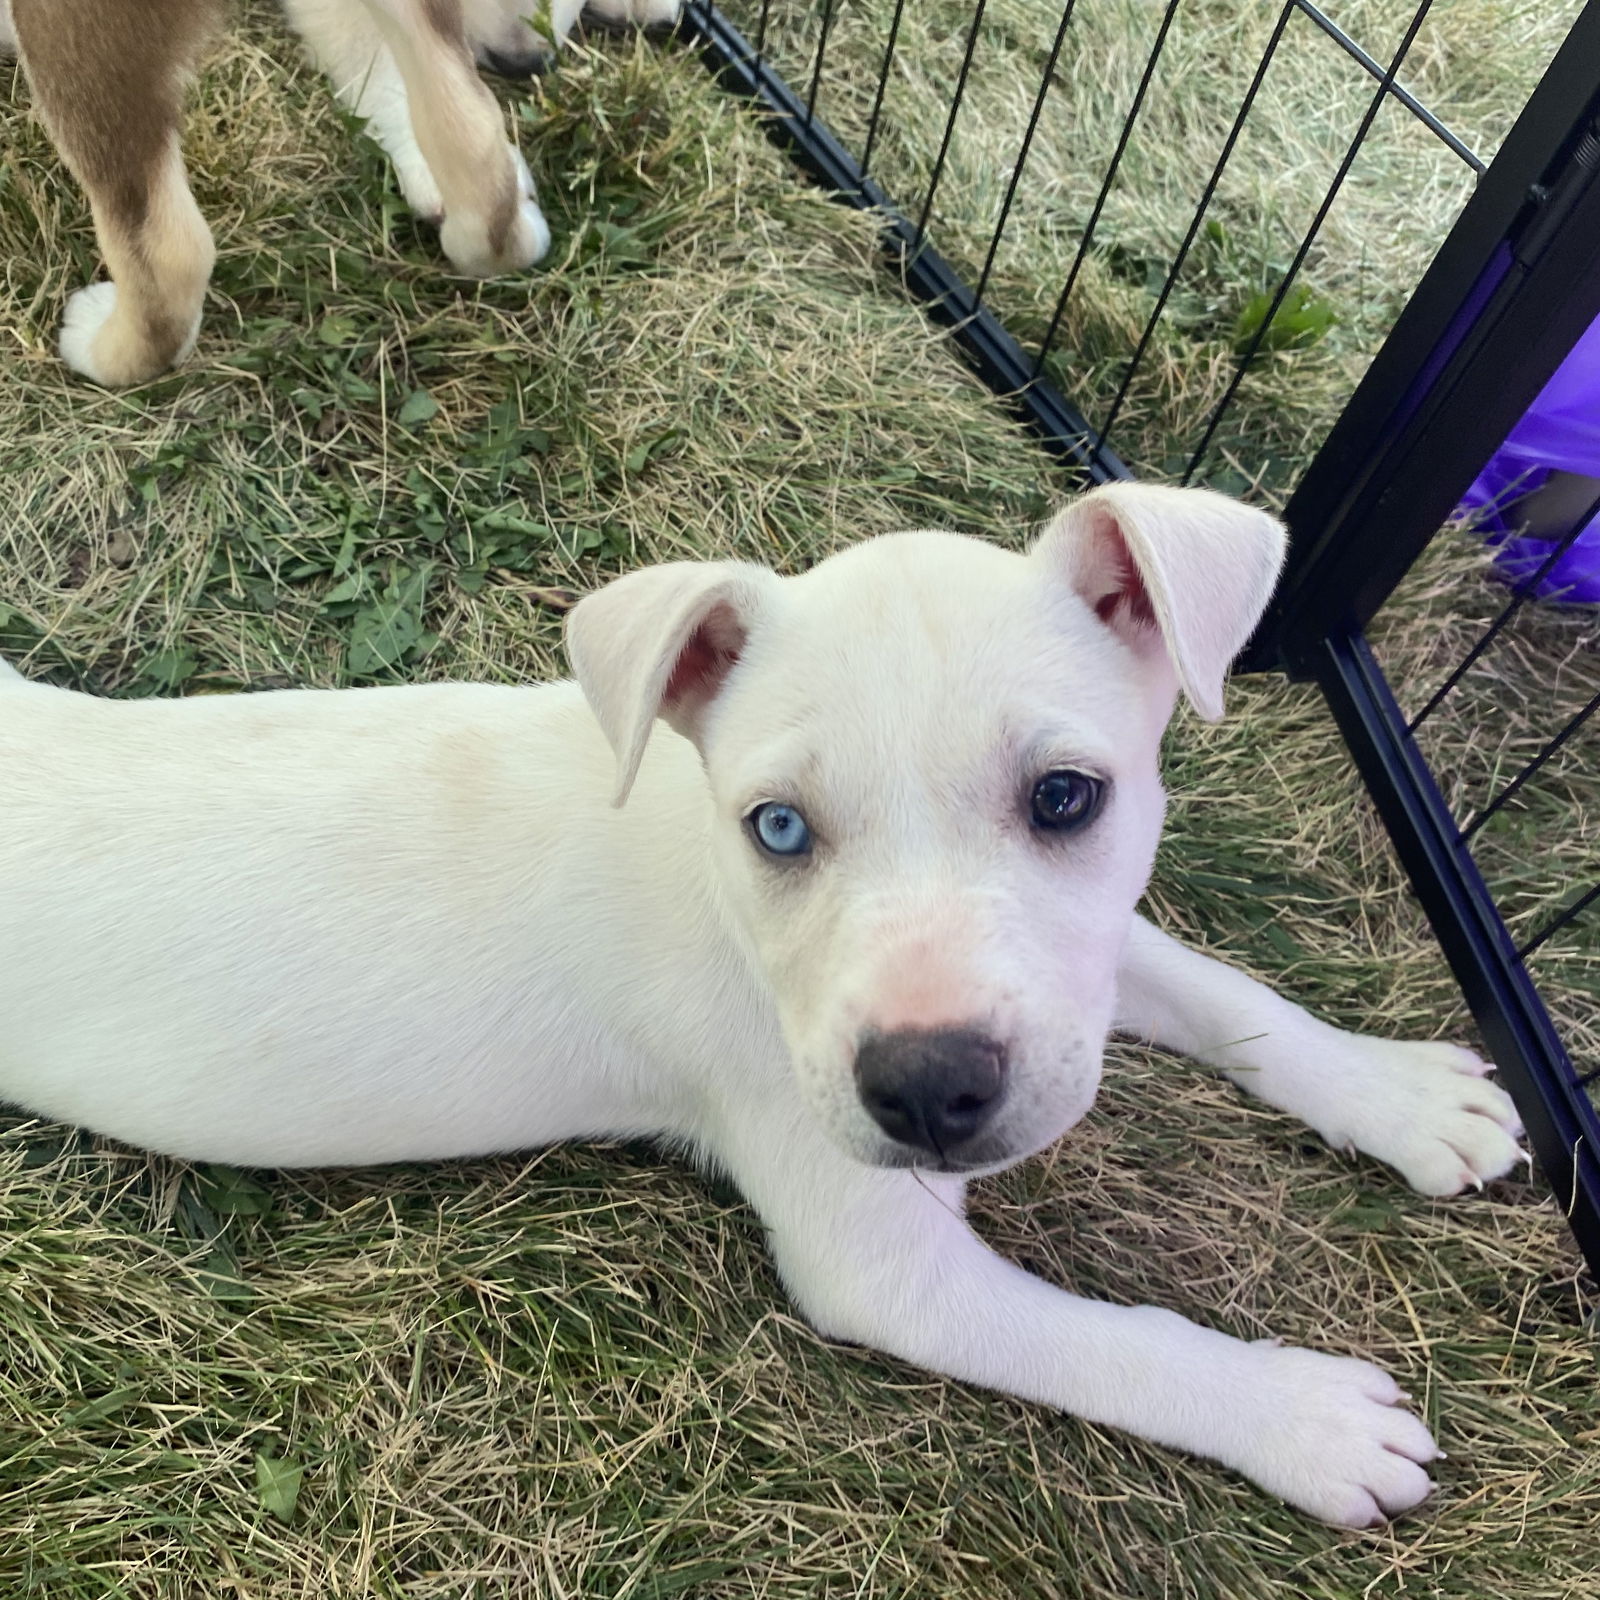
pixel 761 33
pixel 1568 913
pixel 822 51
pixel 883 84
pixel 1398 90
pixel 950 121
pixel 1048 342
pixel 1027 144
pixel 1194 225
pixel 1522 592
pixel 1547 750
pixel 1385 85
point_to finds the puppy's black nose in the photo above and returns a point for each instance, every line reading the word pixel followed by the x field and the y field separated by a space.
pixel 931 1089
pixel 525 64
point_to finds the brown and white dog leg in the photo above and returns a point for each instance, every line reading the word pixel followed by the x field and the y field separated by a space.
pixel 108 78
pixel 345 44
pixel 634 13
pixel 407 66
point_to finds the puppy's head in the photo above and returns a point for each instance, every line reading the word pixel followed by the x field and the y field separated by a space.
pixel 933 767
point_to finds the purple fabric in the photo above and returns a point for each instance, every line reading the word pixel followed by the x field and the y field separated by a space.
pixel 1559 432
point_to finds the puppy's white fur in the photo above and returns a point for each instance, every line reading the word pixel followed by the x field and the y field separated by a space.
pixel 384 924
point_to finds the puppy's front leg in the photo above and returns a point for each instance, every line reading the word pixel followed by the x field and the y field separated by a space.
pixel 1425 1109
pixel 885 1258
pixel 109 78
pixel 344 42
pixel 406 67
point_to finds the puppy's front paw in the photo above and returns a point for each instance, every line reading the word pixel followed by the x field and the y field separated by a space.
pixel 109 347
pixel 640 13
pixel 511 235
pixel 1328 1435
pixel 1428 1111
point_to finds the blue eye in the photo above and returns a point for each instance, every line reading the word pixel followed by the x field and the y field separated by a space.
pixel 780 830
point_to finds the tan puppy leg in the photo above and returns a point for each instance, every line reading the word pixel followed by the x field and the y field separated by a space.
pixel 491 222
pixel 108 79
pixel 640 13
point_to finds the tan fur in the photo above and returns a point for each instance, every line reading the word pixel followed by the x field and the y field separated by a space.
pixel 458 127
pixel 108 78
pixel 444 17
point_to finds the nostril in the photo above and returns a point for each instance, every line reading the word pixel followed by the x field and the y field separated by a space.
pixel 931 1089
pixel 894 1115
pixel 966 1110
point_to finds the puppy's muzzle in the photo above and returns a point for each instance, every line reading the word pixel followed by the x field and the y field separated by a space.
pixel 932 1090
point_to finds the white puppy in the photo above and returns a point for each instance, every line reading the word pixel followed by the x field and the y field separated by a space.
pixel 858 933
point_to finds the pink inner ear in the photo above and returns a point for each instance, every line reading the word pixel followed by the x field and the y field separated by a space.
pixel 1126 600
pixel 705 660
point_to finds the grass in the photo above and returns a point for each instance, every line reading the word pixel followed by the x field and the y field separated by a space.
pixel 574 1374
pixel 1473 62
pixel 1540 851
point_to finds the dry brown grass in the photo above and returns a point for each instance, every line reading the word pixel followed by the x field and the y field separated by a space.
pixel 575 1374
pixel 1474 63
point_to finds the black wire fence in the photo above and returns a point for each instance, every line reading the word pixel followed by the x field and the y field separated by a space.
pixel 1033 141
pixel 1127 306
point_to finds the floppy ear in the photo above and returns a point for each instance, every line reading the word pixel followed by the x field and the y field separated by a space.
pixel 661 642
pixel 1185 566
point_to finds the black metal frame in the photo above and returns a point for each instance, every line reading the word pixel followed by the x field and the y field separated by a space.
pixel 1510 291
pixel 997 358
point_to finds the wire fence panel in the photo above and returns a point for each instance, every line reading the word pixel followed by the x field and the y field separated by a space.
pixel 1272 250
pixel 1168 202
